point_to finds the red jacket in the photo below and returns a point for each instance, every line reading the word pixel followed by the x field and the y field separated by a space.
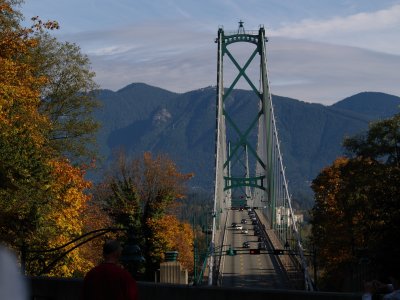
pixel 109 281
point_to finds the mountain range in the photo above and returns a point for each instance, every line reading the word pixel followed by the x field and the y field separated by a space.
pixel 141 118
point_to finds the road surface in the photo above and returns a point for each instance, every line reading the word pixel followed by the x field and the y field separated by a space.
pixel 245 269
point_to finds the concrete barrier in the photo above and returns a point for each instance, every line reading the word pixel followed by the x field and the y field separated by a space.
pixel 173 272
pixel 44 288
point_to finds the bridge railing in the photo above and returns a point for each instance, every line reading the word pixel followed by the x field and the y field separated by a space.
pixel 288 258
pixel 45 288
pixel 290 236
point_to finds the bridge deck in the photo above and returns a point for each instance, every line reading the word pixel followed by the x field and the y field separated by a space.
pixel 245 269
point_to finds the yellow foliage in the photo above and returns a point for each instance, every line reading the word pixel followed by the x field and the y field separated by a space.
pixel 47 208
pixel 172 235
pixel 19 87
pixel 66 214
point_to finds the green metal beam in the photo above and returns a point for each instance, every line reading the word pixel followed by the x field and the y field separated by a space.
pixel 235 182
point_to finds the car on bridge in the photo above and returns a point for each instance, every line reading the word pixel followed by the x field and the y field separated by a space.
pixel 238 227
pixel 245 231
pixel 246 245
pixel 262 246
pixel 244 221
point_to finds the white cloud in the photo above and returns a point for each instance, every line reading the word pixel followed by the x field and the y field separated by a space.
pixel 361 22
pixel 110 50
pixel 371 30
pixel 324 73
pixel 309 71
pixel 181 56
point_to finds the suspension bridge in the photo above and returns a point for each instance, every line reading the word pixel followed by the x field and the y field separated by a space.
pixel 255 240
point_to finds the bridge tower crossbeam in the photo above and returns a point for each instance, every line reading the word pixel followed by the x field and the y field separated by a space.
pixel 238 145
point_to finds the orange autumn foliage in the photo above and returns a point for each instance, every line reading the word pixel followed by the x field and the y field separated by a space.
pixel 354 218
pixel 66 216
pixel 329 215
pixel 43 197
pixel 141 194
pixel 171 235
pixel 23 151
pixel 71 214
pixel 19 87
pixel 161 183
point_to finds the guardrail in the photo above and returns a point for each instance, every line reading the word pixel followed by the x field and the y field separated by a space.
pixel 288 258
pixel 44 288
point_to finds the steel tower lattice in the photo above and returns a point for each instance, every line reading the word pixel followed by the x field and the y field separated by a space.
pixel 265 186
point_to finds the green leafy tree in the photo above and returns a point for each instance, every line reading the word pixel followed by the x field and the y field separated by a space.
pixel 381 142
pixel 68 98
pixel 121 195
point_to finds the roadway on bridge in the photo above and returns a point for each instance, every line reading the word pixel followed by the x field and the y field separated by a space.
pixel 245 269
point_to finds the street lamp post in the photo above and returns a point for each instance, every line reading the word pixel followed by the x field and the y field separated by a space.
pixel 131 256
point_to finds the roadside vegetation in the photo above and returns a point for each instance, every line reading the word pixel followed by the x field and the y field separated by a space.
pixel 357 208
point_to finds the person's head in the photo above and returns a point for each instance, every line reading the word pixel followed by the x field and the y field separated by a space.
pixel 112 250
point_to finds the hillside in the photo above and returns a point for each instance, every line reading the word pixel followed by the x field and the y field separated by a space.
pixel 144 118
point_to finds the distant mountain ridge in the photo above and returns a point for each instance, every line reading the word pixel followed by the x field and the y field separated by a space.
pixel 142 118
pixel 365 103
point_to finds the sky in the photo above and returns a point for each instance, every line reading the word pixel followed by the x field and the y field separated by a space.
pixel 319 51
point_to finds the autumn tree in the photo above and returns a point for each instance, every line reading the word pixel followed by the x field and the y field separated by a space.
pixel 42 195
pixel 68 93
pixel 61 221
pixel 171 234
pixel 357 206
pixel 381 144
pixel 141 193
pixel 23 151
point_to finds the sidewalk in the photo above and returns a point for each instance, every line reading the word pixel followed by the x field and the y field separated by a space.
pixel 288 262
